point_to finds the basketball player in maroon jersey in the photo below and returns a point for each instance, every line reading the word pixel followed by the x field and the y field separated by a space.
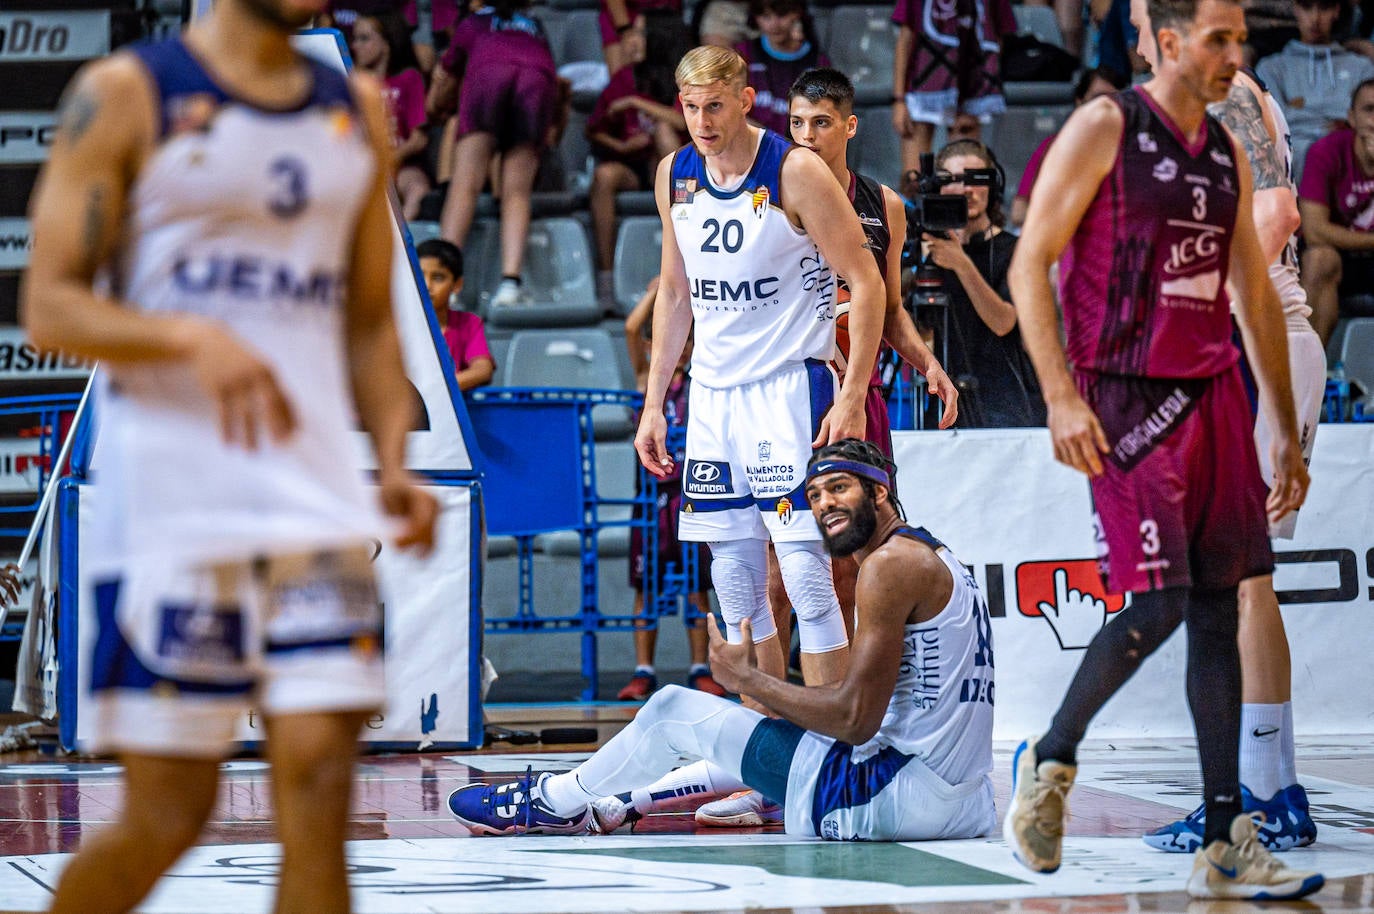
pixel 1148 199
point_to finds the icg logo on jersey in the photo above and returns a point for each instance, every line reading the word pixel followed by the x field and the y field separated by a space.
pixel 707 477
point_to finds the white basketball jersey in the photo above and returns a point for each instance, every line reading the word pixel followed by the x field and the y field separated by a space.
pixel 1284 271
pixel 941 708
pixel 245 217
pixel 763 297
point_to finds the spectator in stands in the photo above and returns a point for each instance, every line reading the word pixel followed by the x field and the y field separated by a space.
pixel 1117 39
pixel 433 27
pixel 343 14
pixel 945 69
pixel 630 129
pixel 1336 199
pixel 659 21
pixel 382 49
pixel 1269 25
pixel 441 263
pixel 986 359
pixel 1091 84
pixel 1069 15
pixel 508 104
pixel 722 23
pixel 1313 76
pixel 645 680
pixel 785 49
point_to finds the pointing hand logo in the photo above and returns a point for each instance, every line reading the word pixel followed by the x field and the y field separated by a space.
pixel 1070 596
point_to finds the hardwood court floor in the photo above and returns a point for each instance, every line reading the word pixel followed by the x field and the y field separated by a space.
pixel 408 855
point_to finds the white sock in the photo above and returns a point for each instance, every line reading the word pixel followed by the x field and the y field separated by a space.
pixel 700 779
pixel 1288 753
pixel 1261 744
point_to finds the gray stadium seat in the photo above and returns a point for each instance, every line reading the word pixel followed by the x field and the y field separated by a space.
pixel 586 358
pixel 421 231
pixel 876 150
pixel 861 42
pixel 1039 21
pixel 1018 132
pixel 617 469
pixel 575 151
pixel 1357 352
pixel 559 284
pixel 637 255
pixel 580 37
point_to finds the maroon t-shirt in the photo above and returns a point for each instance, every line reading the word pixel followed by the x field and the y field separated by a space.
pixel 1333 177
pixel 1033 167
pixel 622 125
pixel 937 21
pixel 771 73
pixel 1143 280
pixel 405 103
pixel 515 43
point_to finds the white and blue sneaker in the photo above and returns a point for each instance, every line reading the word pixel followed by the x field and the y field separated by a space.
pixel 1283 823
pixel 516 808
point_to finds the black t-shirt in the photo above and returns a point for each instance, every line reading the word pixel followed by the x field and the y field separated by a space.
pixel 1007 394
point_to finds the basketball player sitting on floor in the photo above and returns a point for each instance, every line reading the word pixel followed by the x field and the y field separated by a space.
pixel 899 750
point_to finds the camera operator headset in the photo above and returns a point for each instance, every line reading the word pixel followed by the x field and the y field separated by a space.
pixel 974 258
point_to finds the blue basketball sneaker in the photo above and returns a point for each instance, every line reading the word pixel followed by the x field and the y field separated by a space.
pixel 516 808
pixel 1284 823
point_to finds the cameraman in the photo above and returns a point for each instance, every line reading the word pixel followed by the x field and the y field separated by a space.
pixel 985 355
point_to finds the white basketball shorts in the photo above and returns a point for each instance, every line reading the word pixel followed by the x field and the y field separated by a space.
pixel 747 450
pixel 888 796
pixel 183 651
pixel 1307 365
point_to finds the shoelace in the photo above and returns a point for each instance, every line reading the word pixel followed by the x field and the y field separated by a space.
pixel 1254 853
pixel 1050 825
pixel 529 797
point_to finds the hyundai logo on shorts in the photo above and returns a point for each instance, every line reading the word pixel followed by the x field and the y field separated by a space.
pixel 705 472
pixel 707 477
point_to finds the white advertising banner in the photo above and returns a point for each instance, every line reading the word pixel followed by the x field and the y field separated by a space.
pixel 1024 523
pixel 428 634
pixel 15 243
pixel 30 37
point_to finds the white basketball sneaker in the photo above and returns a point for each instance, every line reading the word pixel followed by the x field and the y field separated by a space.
pixel 743 809
pixel 1244 869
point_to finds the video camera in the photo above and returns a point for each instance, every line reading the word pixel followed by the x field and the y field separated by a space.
pixel 934 213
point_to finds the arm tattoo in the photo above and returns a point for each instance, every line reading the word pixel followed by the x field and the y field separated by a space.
pixel 93 234
pixel 1240 111
pixel 77 111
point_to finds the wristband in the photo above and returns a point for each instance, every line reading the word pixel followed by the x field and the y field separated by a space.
pixel 622 29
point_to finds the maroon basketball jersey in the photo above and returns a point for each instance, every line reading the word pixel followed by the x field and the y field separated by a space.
pixel 1143 280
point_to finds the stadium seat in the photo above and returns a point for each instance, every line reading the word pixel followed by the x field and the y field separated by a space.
pixel 876 150
pixel 559 285
pixel 617 470
pixel 637 250
pixel 636 203
pixel 580 39
pixel 585 358
pixel 1039 21
pixel 1357 352
pixel 575 151
pixel 422 231
pixel 1017 134
pixel 861 42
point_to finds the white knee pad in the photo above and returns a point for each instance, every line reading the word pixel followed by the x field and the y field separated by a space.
pixel 739 570
pixel 806 575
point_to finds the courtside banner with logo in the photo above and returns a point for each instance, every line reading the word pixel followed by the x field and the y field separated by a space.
pixel 428 637
pixel 30 37
pixel 1024 522
pixel 15 243
pixel 26 136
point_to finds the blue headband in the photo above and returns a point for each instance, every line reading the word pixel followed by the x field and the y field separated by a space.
pixel 822 467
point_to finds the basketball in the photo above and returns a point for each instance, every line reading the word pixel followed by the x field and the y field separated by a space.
pixel 841 358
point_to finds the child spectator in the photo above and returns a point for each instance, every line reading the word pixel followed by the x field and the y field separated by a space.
pixel 645 680
pixel 508 103
pixel 1312 78
pixel 1093 83
pixel 785 49
pixel 442 265
pixel 630 130
pixel 945 70
pixel 382 49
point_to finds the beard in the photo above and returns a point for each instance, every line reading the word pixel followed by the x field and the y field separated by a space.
pixel 273 13
pixel 863 523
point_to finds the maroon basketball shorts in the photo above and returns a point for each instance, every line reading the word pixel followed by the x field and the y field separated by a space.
pixel 516 105
pixel 1180 502
pixel 878 427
